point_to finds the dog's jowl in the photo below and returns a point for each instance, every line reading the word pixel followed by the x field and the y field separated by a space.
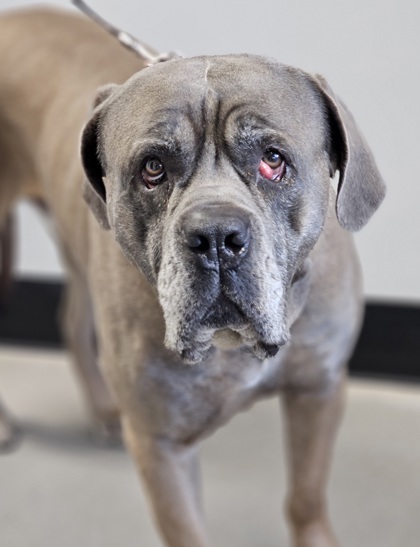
pixel 205 245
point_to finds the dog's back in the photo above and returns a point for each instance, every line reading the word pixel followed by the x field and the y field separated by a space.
pixel 51 63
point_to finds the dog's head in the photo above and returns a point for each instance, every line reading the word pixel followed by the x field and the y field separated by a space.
pixel 214 175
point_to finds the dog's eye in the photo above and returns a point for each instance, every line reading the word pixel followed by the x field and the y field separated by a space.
pixel 272 165
pixel 153 172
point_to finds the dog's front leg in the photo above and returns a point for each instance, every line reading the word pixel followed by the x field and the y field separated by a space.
pixel 311 420
pixel 170 474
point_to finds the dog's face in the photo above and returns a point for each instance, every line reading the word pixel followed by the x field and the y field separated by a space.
pixel 214 176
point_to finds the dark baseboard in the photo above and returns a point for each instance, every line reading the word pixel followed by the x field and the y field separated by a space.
pixel 388 347
pixel 29 313
pixel 389 343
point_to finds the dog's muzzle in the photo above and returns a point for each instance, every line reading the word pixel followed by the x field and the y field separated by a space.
pixel 219 286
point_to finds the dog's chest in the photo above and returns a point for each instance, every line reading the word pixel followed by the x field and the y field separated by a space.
pixel 260 377
pixel 241 376
pixel 194 401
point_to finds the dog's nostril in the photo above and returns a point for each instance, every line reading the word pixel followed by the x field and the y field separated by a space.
pixel 198 243
pixel 236 242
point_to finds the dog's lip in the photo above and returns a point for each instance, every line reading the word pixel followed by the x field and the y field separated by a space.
pixel 236 321
pixel 221 312
pixel 266 351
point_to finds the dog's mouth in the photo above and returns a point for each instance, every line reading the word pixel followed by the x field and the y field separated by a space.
pixel 228 339
pixel 226 326
pixel 231 308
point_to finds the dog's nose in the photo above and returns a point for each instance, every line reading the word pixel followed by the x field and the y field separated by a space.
pixel 217 235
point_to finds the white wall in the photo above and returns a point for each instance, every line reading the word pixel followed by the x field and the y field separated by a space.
pixel 368 50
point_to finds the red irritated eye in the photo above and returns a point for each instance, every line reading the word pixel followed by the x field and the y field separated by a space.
pixel 272 165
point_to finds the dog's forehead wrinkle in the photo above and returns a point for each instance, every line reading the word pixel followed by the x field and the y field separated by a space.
pixel 205 101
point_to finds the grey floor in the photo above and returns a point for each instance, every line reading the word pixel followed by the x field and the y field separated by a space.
pixel 61 489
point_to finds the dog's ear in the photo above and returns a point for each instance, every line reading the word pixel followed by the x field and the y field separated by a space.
pixel 94 189
pixel 360 188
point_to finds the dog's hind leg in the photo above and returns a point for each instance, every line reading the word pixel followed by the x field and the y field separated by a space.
pixel 170 474
pixel 6 254
pixel 79 333
pixel 312 420
pixel 9 432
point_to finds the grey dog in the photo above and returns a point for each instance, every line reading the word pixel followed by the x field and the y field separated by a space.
pixel 217 267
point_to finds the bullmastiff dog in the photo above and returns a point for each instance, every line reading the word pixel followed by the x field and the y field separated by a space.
pixel 210 263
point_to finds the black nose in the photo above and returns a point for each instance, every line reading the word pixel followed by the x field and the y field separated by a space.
pixel 217 235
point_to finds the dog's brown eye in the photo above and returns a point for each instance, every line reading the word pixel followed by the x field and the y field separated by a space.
pixel 273 158
pixel 272 165
pixel 153 172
